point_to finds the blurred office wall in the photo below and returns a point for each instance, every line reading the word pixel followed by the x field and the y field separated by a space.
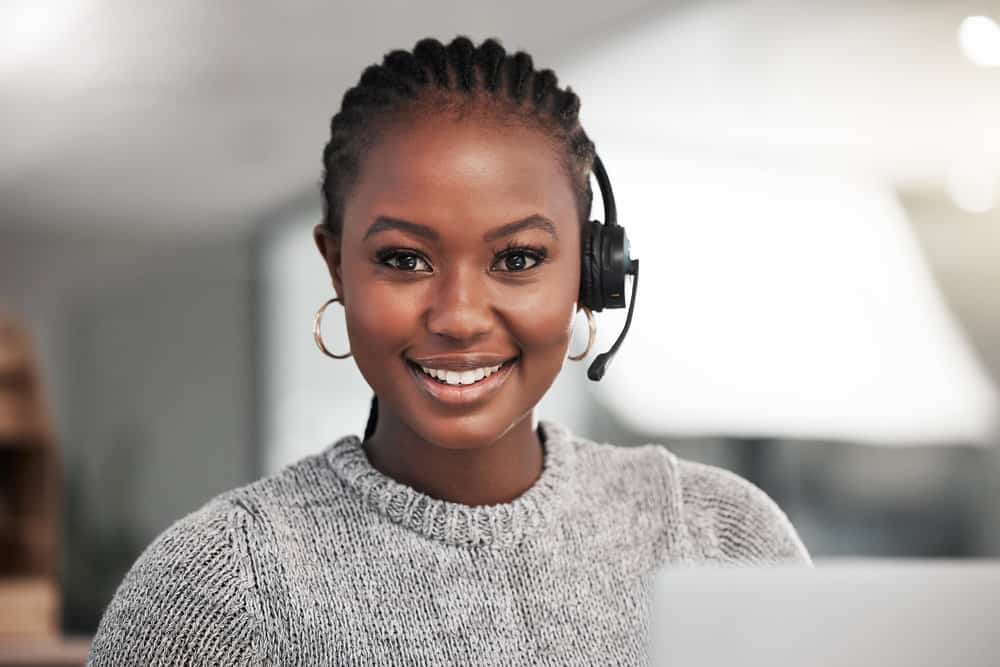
pixel 146 351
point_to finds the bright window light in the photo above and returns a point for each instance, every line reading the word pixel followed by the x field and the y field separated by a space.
pixel 979 37
pixel 972 187
pixel 775 301
pixel 29 27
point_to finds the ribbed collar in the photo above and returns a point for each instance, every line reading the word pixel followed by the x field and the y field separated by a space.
pixel 503 525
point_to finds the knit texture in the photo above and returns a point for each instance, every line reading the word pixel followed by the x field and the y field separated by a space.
pixel 331 562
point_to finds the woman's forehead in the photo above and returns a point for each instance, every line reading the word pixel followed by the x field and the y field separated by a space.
pixel 447 170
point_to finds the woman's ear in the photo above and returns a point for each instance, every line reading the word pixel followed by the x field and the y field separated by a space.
pixel 329 247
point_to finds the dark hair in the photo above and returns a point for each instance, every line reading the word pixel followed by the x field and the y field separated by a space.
pixel 457 78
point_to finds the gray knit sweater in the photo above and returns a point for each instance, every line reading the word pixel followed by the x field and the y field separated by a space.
pixel 330 562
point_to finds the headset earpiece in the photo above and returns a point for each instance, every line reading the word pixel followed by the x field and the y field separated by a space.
pixel 604 263
pixel 590 265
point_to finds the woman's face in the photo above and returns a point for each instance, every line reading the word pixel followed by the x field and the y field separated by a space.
pixel 431 270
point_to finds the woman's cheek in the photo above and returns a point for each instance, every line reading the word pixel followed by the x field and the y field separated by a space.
pixel 542 321
pixel 542 314
pixel 384 315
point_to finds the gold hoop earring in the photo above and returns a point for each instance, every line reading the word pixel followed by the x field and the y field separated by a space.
pixel 590 337
pixel 318 335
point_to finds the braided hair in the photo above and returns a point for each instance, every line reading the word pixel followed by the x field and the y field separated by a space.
pixel 457 78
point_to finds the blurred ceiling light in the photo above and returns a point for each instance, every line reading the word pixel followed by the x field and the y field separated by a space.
pixel 779 302
pixel 979 37
pixel 972 187
pixel 29 27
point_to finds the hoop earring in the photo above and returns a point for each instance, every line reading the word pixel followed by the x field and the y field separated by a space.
pixel 590 337
pixel 318 335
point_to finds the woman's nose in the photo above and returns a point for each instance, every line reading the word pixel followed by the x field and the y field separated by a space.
pixel 460 307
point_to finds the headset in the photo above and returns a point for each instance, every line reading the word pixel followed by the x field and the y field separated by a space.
pixel 605 261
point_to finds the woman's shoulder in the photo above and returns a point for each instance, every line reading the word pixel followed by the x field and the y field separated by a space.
pixel 725 516
pixel 731 518
pixel 190 597
pixel 187 599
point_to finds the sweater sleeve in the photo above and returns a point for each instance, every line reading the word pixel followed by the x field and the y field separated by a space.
pixel 184 601
pixel 732 519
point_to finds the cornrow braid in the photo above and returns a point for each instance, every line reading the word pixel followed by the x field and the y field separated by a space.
pixel 435 77
pixel 490 59
pixel 460 52
pixel 521 71
pixel 433 53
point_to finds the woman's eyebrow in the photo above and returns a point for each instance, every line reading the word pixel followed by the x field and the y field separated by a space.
pixel 531 222
pixel 384 223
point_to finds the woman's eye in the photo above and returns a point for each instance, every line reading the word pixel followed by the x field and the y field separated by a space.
pixel 518 260
pixel 406 261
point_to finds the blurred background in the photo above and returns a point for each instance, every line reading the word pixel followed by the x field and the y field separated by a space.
pixel 813 189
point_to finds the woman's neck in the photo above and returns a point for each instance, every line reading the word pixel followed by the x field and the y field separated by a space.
pixel 496 472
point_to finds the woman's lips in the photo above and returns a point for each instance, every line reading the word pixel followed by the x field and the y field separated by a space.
pixel 464 394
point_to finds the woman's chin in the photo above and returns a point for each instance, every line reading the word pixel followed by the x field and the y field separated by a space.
pixel 457 433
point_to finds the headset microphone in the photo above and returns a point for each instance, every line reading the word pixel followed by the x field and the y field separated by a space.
pixel 605 262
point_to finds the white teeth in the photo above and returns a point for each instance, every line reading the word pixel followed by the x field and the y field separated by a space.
pixel 461 377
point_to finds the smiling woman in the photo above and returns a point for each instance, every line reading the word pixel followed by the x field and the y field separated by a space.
pixel 456 530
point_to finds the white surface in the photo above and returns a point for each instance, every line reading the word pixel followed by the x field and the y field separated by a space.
pixel 862 613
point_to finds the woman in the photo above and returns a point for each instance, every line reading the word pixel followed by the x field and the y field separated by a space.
pixel 457 531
